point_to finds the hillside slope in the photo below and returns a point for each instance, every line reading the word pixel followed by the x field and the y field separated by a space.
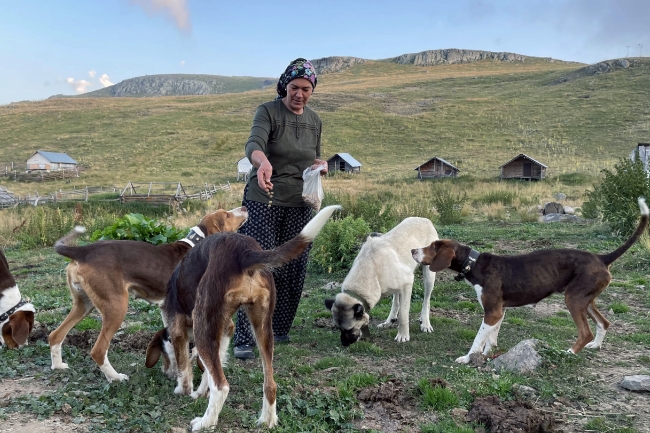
pixel 391 117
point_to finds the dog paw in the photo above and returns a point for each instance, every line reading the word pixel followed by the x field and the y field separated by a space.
pixel 463 359
pixel 402 338
pixel 196 394
pixel 197 424
pixel 270 420
pixel 119 377
pixel 183 390
pixel 426 328
pixel 592 345
pixel 61 366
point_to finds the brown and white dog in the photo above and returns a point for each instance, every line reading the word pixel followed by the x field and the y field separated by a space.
pixel 16 314
pixel 511 281
pixel 223 273
pixel 102 274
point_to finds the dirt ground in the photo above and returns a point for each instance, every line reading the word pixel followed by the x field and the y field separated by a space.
pixel 388 407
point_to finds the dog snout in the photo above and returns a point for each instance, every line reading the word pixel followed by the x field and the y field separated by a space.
pixel 417 254
pixel 348 338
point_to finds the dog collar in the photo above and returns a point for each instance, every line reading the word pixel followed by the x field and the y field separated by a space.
pixel 468 265
pixel 194 236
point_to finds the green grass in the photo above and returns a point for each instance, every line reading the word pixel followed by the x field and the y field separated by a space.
pixel 318 379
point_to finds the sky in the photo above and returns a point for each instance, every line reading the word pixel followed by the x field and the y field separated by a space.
pixel 70 47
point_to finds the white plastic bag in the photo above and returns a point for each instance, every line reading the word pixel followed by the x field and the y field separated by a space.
pixel 312 190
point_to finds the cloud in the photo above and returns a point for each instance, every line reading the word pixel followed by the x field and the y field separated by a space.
pixel 105 80
pixel 177 10
pixel 78 85
pixel 182 62
pixel 92 73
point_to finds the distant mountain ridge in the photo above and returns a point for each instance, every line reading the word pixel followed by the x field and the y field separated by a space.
pixel 202 84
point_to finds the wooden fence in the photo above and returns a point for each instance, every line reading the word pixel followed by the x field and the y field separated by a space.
pixel 168 193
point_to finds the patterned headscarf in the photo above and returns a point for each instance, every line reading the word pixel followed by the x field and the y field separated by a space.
pixel 299 68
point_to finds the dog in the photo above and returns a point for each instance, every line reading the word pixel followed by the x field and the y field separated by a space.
pixel 511 281
pixel 102 274
pixel 384 266
pixel 16 313
pixel 223 273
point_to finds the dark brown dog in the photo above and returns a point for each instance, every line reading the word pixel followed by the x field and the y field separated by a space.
pixel 511 281
pixel 16 314
pixel 102 274
pixel 223 273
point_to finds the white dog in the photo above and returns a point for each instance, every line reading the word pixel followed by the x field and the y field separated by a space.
pixel 384 267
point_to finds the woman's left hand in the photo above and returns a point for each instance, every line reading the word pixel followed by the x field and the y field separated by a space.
pixel 322 164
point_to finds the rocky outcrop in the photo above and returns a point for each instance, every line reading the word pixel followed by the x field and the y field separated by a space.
pixel 327 65
pixel 453 56
pixel 181 84
pixel 599 68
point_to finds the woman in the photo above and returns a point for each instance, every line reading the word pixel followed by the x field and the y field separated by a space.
pixel 284 141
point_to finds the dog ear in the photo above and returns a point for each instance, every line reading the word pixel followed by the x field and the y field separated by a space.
pixel 442 260
pixel 154 350
pixel 358 311
pixel 329 303
pixel 365 331
pixel 21 326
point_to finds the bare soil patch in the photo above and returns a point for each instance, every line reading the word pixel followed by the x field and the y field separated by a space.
pixel 509 416
pixel 389 407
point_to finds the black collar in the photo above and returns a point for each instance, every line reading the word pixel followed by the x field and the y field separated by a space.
pixel 468 265
pixel 194 236
pixel 5 316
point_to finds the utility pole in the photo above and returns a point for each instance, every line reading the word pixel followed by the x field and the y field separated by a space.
pixel 628 51
pixel 640 47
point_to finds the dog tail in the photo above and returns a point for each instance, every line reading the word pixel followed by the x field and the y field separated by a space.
pixel 293 248
pixel 643 224
pixel 61 246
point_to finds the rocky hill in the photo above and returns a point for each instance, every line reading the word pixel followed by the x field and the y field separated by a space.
pixel 180 84
pixel 185 84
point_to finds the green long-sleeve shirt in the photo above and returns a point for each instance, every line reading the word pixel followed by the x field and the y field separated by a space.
pixel 291 142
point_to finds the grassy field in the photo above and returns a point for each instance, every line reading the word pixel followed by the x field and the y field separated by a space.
pixel 391 118
pixel 323 387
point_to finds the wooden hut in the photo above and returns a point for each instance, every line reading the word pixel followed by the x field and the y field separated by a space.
pixel 244 167
pixel 523 167
pixel 436 168
pixel 50 161
pixel 343 162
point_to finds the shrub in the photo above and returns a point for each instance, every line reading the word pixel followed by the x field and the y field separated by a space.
pixel 449 206
pixel 137 227
pixel 615 199
pixel 336 246
pixel 376 211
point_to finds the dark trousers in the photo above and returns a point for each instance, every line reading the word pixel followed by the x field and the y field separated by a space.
pixel 271 227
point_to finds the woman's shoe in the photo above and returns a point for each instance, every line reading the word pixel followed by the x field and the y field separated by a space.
pixel 281 338
pixel 244 351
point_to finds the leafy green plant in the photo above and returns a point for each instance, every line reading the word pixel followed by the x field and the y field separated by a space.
pixel 137 227
pixel 446 425
pixel 615 198
pixel 503 197
pixel 448 205
pixel 337 244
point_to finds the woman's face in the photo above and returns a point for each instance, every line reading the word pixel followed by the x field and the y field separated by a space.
pixel 298 93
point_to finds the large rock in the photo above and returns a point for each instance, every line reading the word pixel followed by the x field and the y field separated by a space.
pixel 522 358
pixel 328 65
pixel 636 383
pixel 453 56
pixel 552 207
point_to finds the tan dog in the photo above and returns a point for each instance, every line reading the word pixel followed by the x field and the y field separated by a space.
pixel 511 281
pixel 223 273
pixel 102 274
pixel 16 314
